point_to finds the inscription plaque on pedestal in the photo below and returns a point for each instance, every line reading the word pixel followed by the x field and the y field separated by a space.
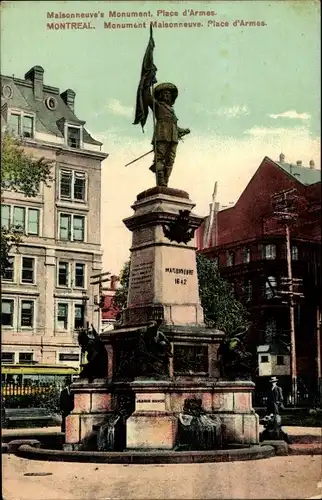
pixel 150 402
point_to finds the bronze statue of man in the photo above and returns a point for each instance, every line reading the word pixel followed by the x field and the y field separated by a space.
pixel 167 133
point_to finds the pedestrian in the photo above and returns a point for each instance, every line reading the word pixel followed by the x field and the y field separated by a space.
pixel 274 398
pixel 66 403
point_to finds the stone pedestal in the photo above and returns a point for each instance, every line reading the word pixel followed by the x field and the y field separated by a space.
pixel 92 401
pixel 154 423
pixel 151 426
pixel 163 289
pixel 163 275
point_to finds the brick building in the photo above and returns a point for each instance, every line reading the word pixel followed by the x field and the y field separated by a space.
pixel 249 245
pixel 46 292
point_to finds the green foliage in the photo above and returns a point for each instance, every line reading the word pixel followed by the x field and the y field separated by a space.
pixel 220 306
pixel 121 293
pixel 20 172
pixel 48 400
pixel 9 238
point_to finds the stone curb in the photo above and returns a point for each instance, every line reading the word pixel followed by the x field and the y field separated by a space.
pixel 152 457
pixel 14 445
pixel 305 449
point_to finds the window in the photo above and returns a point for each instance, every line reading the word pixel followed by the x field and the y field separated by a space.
pixel 79 316
pixel 78 228
pixel 33 221
pixel 72 185
pixel 5 216
pixel 26 357
pixel 14 124
pixel 65 184
pixel 270 287
pixel 7 308
pixel 7 357
pixel 23 219
pixel 79 275
pixel 8 272
pixel 73 137
pixel 27 313
pixel 269 252
pixel 68 357
pixel 21 124
pixel 19 219
pixel 79 186
pixel 63 273
pixel 246 255
pixel 62 316
pixel 71 227
pixel 264 359
pixel 230 258
pixel 280 360
pixel 270 330
pixel 27 126
pixel 64 227
pixel 295 252
pixel 27 272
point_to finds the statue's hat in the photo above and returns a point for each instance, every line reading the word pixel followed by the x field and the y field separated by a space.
pixel 166 86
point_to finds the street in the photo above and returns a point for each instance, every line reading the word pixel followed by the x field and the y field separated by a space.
pixel 273 478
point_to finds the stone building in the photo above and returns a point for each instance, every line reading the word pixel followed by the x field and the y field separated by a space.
pixel 250 249
pixel 46 292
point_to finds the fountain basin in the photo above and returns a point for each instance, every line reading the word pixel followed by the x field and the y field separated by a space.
pixel 255 452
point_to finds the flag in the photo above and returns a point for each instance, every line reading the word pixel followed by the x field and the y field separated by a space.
pixel 142 108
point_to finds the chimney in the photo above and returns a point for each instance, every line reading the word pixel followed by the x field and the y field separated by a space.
pixel 299 163
pixel 312 164
pixel 282 158
pixel 69 98
pixel 36 76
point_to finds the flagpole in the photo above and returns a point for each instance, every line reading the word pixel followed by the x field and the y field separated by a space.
pixel 154 119
pixel 154 134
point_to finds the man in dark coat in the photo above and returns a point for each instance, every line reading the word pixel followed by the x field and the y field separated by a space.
pixel 274 398
pixel 66 404
pixel 273 422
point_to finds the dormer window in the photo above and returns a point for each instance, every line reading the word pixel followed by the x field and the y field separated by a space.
pixel 73 137
pixel 21 124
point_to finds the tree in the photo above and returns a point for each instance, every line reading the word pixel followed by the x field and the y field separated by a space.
pixel 220 306
pixel 120 298
pixel 20 172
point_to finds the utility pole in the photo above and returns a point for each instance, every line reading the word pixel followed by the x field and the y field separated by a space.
pixel 284 210
pixel 99 279
pixel 318 352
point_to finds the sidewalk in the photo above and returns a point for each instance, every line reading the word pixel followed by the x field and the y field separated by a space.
pixel 30 430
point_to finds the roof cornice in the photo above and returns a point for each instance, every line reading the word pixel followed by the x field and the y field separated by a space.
pixel 63 149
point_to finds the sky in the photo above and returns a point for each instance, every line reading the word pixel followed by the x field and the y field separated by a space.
pixel 245 91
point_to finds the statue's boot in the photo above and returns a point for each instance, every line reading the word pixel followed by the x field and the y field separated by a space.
pixel 167 173
pixel 160 178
